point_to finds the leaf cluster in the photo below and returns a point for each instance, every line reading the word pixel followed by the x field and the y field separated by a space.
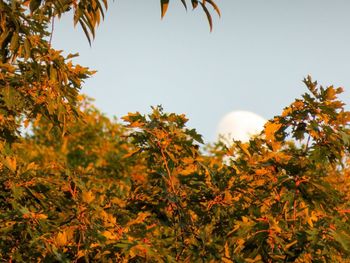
pixel 82 187
pixel 144 191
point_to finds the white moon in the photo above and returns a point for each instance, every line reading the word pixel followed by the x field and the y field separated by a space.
pixel 239 125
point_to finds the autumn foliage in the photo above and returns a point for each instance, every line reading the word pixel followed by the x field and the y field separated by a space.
pixel 78 186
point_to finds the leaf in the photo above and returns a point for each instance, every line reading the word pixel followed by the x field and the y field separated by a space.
pixel 270 130
pixel 184 3
pixel 194 4
pixel 10 163
pixel 331 93
pixel 196 136
pixel 206 11
pixel 140 218
pixel 164 7
pixel 34 5
pixel 131 153
pixel 85 31
pixel 342 238
pixel 216 8
pixel 27 48
pixel 3 36
pixel 227 250
pixel 345 137
pixel 109 235
pixel 189 169
pixel 261 171
pixel 256 259
pixel 61 239
pixel 290 244
pixel 245 148
pixel 9 97
pixel 40 216
pixel 88 196
pixel 14 42
pixel 72 55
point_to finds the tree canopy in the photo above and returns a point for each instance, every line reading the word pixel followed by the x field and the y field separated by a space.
pixel 82 187
pixel 37 80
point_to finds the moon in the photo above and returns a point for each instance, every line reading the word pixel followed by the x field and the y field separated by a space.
pixel 239 125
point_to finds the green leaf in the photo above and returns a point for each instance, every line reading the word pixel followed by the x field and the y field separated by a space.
pixel 27 49
pixel 85 31
pixel 206 11
pixel 14 42
pixel 34 5
pixel 184 3
pixel 196 136
pixel 345 137
pixel 342 238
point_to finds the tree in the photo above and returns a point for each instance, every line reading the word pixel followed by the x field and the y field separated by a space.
pixel 36 80
pixel 82 187
pixel 145 192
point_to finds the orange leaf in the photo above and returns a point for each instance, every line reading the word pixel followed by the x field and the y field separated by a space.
pixel 270 129
pixel 164 7
pixel 88 197
pixel 11 163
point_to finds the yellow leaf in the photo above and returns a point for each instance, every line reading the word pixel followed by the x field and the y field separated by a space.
pixel 256 259
pixel 331 93
pixel 26 123
pixel 259 182
pixel 282 157
pixel 131 117
pixel 240 245
pixel 245 148
pixel 131 153
pixel 140 218
pixel 136 124
pixel 193 215
pixel 109 235
pixel 34 215
pixel 61 239
pixel 287 111
pixel 32 166
pixel 81 253
pixel 290 244
pixel 37 120
pixel 270 129
pixel 245 219
pixel 11 163
pixel 187 160
pixel 80 98
pixel 118 201
pixel 88 197
pixel 40 216
pixel 228 197
pixel 261 171
pixel 274 226
pixel 299 105
pixel 311 219
pixel 227 251
pixel 189 169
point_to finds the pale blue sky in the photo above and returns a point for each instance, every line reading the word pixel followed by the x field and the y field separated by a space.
pixel 255 58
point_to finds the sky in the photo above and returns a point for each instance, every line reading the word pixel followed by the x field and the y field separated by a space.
pixel 254 59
